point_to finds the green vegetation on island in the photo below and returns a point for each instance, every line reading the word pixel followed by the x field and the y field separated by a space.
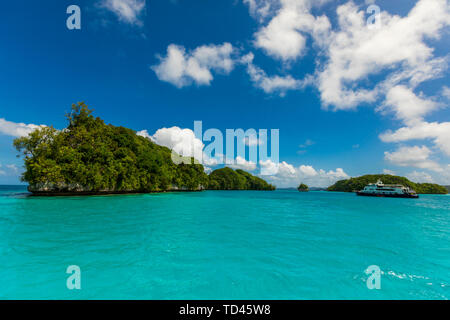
pixel 354 184
pixel 229 179
pixel 303 187
pixel 91 157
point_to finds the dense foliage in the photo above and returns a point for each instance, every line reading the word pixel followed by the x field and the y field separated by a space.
pixel 359 183
pixel 103 157
pixel 229 179
pixel 91 156
pixel 303 187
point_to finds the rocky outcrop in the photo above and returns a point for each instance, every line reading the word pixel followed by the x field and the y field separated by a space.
pixel 65 189
pixel 176 188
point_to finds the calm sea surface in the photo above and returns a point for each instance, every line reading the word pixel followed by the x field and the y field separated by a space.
pixel 224 245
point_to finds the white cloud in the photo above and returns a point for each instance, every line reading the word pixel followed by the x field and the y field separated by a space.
pixel 145 134
pixel 13 168
pixel 241 163
pixel 274 170
pixel 352 51
pixel 446 92
pixel 182 68
pixel 128 11
pixel 182 141
pixel 9 170
pixel 185 143
pixel 415 156
pixel 259 9
pixel 407 106
pixel 438 132
pixel 411 109
pixel 420 177
pixel 286 175
pixel 16 129
pixel 308 171
pixel 271 84
pixel 284 36
pixel 356 52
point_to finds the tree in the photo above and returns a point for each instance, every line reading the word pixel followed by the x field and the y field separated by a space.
pixel 95 157
pixel 90 156
pixel 229 179
pixel 303 187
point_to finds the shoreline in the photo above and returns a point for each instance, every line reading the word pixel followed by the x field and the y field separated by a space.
pixel 106 193
pixel 114 193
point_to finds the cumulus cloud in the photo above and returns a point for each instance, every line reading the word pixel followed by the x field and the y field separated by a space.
pixel 282 174
pixel 352 52
pixel 415 156
pixel 420 177
pixel 17 129
pixel 182 68
pixel 356 51
pixel 411 109
pixel 397 53
pixel 182 141
pixel 241 163
pixel 272 169
pixel 439 133
pixel 145 134
pixel 287 175
pixel 260 9
pixel 407 106
pixel 271 84
pixel 128 11
pixel 284 36
pixel 387 171
pixel 308 171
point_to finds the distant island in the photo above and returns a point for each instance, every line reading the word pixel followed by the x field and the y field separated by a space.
pixel 303 187
pixel 228 179
pixel 354 184
pixel 91 157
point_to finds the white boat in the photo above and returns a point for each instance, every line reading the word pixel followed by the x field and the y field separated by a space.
pixel 379 189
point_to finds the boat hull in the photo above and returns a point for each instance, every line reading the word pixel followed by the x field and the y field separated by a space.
pixel 411 196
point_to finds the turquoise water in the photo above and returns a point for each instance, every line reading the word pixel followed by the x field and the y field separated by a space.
pixel 224 245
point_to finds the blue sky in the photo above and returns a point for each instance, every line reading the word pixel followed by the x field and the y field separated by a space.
pixel 348 99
